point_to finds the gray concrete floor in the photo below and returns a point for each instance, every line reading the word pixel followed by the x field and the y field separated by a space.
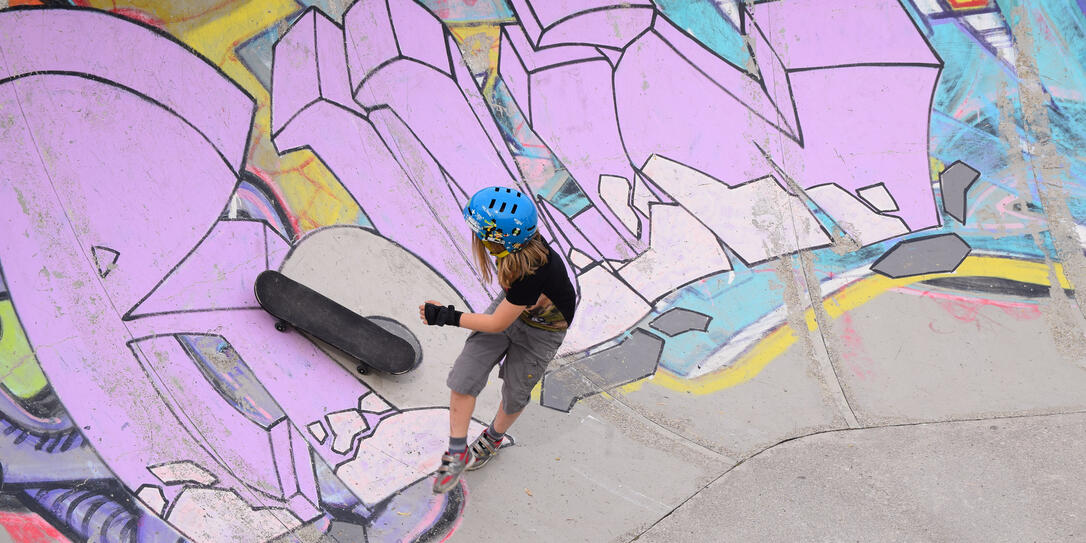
pixel 974 433
pixel 1003 479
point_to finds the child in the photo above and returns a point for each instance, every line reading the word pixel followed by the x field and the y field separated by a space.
pixel 526 325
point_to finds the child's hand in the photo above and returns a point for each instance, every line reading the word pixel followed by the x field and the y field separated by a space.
pixel 422 310
pixel 434 314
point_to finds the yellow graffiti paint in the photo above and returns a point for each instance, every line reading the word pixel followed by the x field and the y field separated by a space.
pixel 311 191
pixel 218 36
pixel 477 41
pixel 774 344
pixel 936 166
pixel 215 30
pixel 19 369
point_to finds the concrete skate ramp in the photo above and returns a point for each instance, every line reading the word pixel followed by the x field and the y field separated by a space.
pixel 822 292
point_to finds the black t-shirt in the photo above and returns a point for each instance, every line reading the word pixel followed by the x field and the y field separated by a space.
pixel 550 280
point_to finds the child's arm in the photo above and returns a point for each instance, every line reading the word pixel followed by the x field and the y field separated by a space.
pixel 498 321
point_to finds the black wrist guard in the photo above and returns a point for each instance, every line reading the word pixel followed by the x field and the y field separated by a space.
pixel 442 315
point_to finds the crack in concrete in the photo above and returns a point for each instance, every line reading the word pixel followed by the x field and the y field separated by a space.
pixel 830 339
pixel 601 400
pixel 837 430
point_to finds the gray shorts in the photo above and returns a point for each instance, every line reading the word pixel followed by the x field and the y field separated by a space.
pixel 527 351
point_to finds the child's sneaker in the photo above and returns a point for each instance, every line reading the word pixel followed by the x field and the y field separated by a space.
pixel 483 449
pixel 448 474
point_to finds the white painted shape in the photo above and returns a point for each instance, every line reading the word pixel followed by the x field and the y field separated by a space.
pixel 345 425
pixel 1009 55
pixel 864 225
pixel 758 220
pixel 579 259
pixel 730 8
pixel 878 197
pixel 185 470
pixel 984 21
pixel 608 307
pixel 318 431
pixel 681 249
pixel 928 6
pixel 615 191
pixel 1000 39
pixel 153 498
pixel 642 196
pixel 212 515
pixel 373 403
pixel 405 448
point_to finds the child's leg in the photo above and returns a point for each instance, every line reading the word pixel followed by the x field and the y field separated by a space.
pixel 530 352
pixel 486 446
pixel 502 421
pixel 466 380
pixel 461 406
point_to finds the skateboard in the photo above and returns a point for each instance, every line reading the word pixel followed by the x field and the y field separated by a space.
pixel 298 306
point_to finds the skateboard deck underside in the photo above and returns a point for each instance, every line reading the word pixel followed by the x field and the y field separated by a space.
pixel 323 318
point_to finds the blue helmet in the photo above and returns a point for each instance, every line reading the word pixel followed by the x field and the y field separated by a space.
pixel 502 215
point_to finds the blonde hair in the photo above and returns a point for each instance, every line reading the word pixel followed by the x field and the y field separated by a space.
pixel 513 266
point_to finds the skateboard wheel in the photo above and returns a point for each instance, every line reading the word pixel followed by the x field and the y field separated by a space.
pixel 362 369
pixel 282 326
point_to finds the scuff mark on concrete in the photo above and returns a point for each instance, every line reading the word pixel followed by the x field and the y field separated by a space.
pixel 1057 310
pixel 831 364
pixel 1034 103
pixel 843 243
pixel 645 429
pixel 818 366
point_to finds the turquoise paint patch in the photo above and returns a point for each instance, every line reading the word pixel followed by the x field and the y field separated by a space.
pixel 454 11
pixel 560 189
pixel 1059 30
pixel 703 20
pixel 971 77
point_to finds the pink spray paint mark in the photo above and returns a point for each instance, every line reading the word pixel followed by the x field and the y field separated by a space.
pixel 459 518
pixel 856 355
pixel 967 309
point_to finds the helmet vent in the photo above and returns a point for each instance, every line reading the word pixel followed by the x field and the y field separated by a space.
pixel 502 208
pixel 491 206
pixel 514 210
pixel 530 228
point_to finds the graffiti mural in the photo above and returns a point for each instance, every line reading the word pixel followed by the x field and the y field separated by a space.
pixel 718 176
